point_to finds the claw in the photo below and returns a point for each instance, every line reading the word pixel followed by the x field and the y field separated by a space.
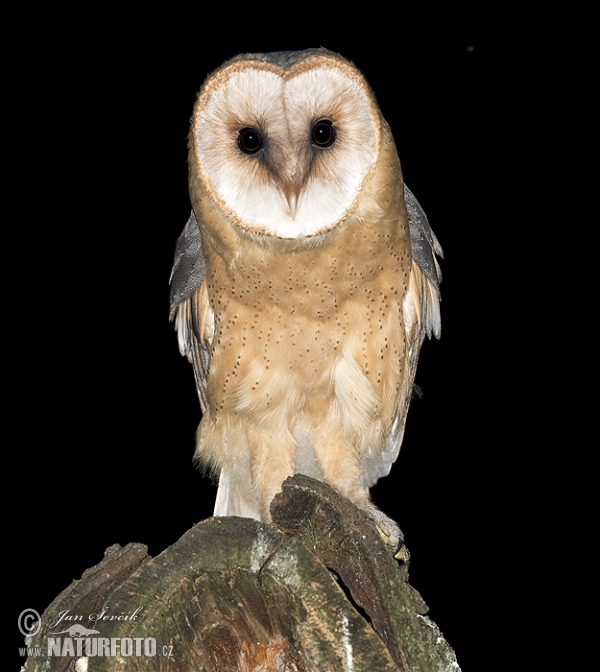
pixel 390 532
pixel 403 555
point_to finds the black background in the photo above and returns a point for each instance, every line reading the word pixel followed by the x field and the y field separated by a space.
pixel 103 406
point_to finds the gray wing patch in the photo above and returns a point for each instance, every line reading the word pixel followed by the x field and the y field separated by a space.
pixel 189 265
pixel 425 245
pixel 186 306
pixel 425 250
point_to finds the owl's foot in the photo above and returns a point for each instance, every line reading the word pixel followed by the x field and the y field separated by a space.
pixel 390 532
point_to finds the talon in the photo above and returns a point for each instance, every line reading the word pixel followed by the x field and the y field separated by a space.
pixel 403 555
pixel 390 532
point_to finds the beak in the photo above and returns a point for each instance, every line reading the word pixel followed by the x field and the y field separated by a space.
pixel 292 200
pixel 291 188
pixel 291 172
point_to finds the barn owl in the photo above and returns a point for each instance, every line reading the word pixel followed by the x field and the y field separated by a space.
pixel 304 282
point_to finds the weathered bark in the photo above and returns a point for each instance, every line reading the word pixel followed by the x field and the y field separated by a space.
pixel 317 590
pixel 345 540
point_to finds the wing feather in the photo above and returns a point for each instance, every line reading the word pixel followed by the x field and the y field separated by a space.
pixel 190 307
pixel 422 318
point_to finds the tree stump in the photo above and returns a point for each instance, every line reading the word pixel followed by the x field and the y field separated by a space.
pixel 316 590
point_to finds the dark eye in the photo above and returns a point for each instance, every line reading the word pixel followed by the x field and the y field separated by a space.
pixel 249 140
pixel 323 133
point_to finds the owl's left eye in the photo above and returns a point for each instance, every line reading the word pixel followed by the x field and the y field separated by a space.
pixel 323 133
pixel 249 140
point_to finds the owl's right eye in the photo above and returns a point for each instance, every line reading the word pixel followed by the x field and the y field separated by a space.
pixel 249 140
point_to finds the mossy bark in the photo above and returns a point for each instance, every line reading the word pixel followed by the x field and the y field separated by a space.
pixel 316 590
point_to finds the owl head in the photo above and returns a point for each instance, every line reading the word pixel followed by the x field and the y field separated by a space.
pixel 284 144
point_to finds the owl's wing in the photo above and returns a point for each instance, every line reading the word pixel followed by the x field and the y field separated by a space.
pixel 189 304
pixel 421 318
pixel 426 273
